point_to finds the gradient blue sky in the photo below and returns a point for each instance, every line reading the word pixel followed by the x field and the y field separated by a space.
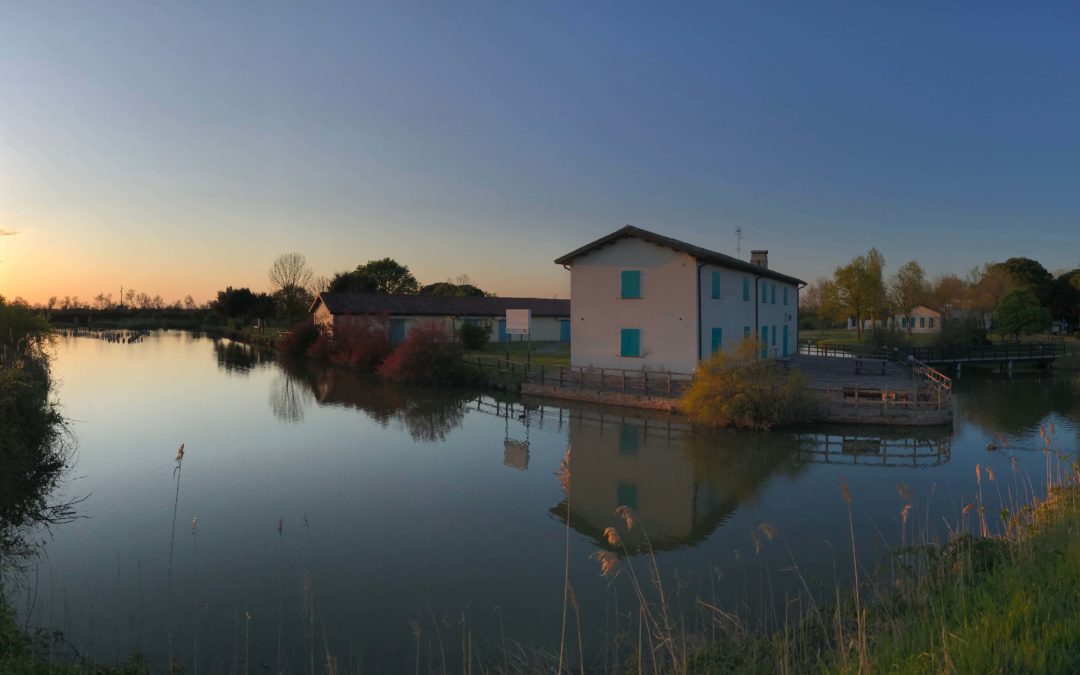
pixel 179 147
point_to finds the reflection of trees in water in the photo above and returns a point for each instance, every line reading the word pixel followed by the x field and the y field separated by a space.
pixel 34 452
pixel 1014 406
pixel 428 414
pixel 237 357
pixel 288 398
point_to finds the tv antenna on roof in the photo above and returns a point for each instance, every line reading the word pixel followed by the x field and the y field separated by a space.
pixel 738 242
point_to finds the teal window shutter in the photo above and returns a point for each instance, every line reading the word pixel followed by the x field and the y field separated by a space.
pixel 746 288
pixel 626 494
pixel 631 284
pixel 746 331
pixel 922 322
pixel 773 287
pixel 717 339
pixel 716 284
pixel 630 340
pixel 785 295
pixel 629 439
pixel 931 322
pixel 774 335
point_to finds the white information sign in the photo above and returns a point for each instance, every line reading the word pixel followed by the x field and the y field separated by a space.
pixel 518 321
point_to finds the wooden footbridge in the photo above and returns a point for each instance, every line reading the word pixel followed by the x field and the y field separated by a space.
pixel 1004 353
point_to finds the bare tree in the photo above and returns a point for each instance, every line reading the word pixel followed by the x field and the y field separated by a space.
pixel 319 284
pixel 291 278
pixel 52 303
pixel 189 302
pixel 290 270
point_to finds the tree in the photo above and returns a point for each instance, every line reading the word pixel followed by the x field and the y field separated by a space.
pixel 860 291
pixel 946 294
pixel 390 277
pixel 103 300
pixel 51 304
pixel 386 276
pixel 1021 313
pixel 319 284
pixel 291 277
pixel 1065 297
pixel 989 286
pixel 189 303
pixel 819 303
pixel 351 282
pixel 451 289
pixel 906 289
pixel 1030 273
pixel 290 270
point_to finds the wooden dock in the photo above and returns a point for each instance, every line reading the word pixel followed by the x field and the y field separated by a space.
pixel 872 390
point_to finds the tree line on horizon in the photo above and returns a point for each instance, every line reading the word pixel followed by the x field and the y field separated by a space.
pixel 1018 296
pixel 294 287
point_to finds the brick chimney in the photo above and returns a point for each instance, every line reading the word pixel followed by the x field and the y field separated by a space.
pixel 760 258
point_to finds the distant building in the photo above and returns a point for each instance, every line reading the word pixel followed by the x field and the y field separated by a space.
pixel 922 319
pixel 331 311
pixel 643 300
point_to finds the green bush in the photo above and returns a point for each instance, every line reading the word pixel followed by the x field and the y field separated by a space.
pixel 474 335
pixel 742 390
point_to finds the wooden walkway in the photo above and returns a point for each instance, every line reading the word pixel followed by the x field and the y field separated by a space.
pixel 826 372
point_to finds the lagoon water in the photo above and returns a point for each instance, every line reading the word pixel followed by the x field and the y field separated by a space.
pixel 339 516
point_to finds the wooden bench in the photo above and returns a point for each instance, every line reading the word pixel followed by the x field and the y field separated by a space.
pixel 860 392
pixel 861 363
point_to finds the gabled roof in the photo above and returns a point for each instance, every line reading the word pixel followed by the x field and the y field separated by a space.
pixel 701 254
pixel 433 305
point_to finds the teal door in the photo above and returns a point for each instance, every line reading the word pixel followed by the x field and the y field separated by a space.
pixel 564 330
pixel 785 352
pixel 502 331
pixel 717 339
pixel 397 331
pixel 764 342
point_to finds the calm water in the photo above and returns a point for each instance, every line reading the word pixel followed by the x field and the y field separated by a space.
pixel 340 515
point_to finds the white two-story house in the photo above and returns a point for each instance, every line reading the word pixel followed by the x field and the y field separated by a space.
pixel 641 300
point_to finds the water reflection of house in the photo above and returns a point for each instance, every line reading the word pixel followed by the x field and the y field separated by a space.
pixel 516 454
pixel 681 486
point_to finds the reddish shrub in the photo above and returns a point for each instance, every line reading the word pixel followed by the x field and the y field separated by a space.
pixel 299 339
pixel 429 355
pixel 363 347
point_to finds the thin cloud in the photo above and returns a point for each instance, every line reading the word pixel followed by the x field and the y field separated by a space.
pixel 7 233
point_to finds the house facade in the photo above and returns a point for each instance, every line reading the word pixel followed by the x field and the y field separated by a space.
pixel 332 311
pixel 921 320
pixel 646 301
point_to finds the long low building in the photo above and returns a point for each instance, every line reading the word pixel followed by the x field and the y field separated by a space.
pixel 550 317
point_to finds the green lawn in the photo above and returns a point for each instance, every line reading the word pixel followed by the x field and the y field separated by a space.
pixel 542 353
pixel 840 337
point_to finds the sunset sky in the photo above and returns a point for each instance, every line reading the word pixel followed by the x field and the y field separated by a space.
pixel 177 148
